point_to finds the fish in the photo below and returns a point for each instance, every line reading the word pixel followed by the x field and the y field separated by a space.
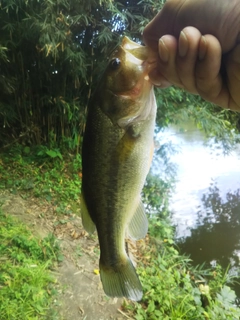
pixel 116 151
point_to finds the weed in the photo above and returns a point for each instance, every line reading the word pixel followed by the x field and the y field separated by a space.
pixel 26 283
pixel 42 175
pixel 175 290
pixel 78 251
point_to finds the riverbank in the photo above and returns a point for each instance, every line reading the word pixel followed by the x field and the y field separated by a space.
pixel 41 192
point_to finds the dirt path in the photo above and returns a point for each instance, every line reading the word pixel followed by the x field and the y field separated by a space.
pixel 80 291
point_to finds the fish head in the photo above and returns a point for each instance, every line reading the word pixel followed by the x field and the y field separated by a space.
pixel 125 90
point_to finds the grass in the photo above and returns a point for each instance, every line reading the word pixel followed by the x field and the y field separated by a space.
pixel 173 289
pixel 39 174
pixel 27 286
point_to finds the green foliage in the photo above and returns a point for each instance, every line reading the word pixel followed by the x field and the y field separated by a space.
pixel 160 227
pixel 42 172
pixel 45 249
pixel 160 181
pixel 52 153
pixel 225 300
pixel 27 286
pixel 174 290
pixel 177 106
pixel 157 204
pixel 51 55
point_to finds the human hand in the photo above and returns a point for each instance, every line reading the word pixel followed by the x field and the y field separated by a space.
pixel 198 40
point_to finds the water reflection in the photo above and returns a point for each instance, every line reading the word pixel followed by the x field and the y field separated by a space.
pixel 206 202
pixel 198 166
pixel 216 235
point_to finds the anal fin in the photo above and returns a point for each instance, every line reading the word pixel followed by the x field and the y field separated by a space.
pixel 138 226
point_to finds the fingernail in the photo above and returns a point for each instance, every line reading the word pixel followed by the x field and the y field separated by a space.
pixel 183 45
pixel 163 51
pixel 202 48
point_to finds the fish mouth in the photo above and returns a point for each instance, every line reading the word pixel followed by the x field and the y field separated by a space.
pixel 136 91
pixel 138 88
pixel 145 59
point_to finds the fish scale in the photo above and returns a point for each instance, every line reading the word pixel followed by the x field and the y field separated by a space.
pixel 117 145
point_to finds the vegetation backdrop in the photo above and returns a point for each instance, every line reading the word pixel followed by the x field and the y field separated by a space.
pixel 51 53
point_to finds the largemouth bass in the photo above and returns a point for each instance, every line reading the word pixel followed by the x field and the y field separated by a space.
pixel 117 147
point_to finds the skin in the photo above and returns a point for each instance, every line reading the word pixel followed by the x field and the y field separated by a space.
pixel 198 45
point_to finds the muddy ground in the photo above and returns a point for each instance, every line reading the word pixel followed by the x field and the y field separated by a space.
pixel 80 291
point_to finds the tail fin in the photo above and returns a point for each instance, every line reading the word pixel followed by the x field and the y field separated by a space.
pixel 121 281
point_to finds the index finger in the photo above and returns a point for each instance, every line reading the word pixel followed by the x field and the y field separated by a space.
pixel 219 18
pixel 161 24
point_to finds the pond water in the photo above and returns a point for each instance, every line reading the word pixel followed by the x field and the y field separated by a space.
pixel 206 202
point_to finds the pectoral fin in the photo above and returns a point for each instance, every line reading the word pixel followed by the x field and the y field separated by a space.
pixel 138 226
pixel 87 222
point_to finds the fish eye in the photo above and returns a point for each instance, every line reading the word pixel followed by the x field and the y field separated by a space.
pixel 115 63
